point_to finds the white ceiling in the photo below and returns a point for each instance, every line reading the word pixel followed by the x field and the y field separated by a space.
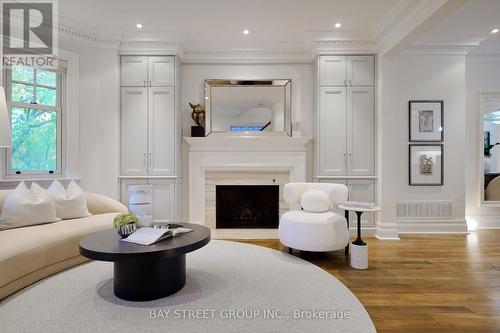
pixel 293 22
pixel 288 24
pixel 471 23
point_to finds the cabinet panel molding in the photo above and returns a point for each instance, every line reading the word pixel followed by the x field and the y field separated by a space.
pixel 134 71
pixel 360 71
pixel 134 131
pixel 161 131
pixel 161 71
pixel 333 70
pixel 360 131
pixel 332 131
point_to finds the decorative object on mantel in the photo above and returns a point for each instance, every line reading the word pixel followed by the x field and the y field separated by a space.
pixel 296 129
pixel 198 115
pixel 5 137
pixel 141 204
pixel 125 224
pixel 426 121
pixel 426 165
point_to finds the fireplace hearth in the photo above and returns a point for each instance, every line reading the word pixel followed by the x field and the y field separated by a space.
pixel 247 206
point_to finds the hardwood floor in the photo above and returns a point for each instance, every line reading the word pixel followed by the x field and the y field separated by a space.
pixel 423 283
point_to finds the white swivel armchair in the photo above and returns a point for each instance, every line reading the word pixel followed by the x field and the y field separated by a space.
pixel 316 224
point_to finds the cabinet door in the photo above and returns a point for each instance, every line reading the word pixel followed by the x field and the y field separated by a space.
pixel 362 190
pixel 360 70
pixel 134 108
pixel 163 200
pixel 161 71
pixel 332 71
pixel 134 71
pixel 162 129
pixel 360 131
pixel 332 131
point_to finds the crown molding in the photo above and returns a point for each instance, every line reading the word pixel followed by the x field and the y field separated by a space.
pixel 332 46
pixel 207 55
pixel 483 56
pixel 441 48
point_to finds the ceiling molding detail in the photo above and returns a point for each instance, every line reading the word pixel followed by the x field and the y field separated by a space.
pixel 325 46
pixel 245 56
pixel 441 48
pixel 483 56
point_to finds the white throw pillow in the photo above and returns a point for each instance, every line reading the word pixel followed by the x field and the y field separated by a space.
pixel 71 202
pixel 314 201
pixel 24 207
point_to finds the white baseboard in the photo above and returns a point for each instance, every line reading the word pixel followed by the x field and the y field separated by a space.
pixel 432 227
pixel 484 221
pixel 387 232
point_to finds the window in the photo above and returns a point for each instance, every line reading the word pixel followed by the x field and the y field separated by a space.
pixel 246 128
pixel 34 101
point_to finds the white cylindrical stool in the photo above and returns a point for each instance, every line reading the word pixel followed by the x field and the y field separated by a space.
pixel 359 256
pixel 140 203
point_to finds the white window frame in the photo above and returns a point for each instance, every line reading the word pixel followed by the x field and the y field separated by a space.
pixel 59 109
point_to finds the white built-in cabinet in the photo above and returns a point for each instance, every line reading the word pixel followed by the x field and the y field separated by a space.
pixel 346 125
pixel 149 130
pixel 147 71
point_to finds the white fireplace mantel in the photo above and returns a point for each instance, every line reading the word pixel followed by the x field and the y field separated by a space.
pixel 247 143
pixel 237 153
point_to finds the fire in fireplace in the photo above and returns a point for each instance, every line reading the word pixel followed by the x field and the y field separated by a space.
pixel 247 206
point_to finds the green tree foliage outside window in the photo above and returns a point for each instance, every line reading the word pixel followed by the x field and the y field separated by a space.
pixel 34 123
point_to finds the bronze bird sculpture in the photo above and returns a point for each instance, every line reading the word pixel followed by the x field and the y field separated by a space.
pixel 198 114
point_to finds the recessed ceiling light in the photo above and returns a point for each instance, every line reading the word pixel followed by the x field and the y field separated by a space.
pixel 494 31
pixel 246 32
pixel 139 26
pixel 338 25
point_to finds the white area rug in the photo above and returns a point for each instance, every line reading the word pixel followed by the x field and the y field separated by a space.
pixel 230 287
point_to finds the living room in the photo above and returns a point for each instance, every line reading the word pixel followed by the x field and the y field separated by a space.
pixel 250 166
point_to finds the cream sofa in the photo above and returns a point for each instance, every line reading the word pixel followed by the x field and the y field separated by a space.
pixel 29 254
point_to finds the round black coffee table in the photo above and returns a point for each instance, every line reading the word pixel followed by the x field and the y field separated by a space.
pixel 144 273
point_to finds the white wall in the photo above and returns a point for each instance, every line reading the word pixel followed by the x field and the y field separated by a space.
pixel 99 117
pixel 481 76
pixel 407 77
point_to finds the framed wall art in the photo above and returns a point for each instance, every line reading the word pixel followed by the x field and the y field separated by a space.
pixel 426 121
pixel 426 165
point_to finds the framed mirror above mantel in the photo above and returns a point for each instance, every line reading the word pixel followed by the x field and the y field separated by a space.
pixel 248 107
pixel 489 149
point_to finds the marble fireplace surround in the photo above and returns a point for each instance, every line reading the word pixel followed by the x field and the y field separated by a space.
pixel 240 161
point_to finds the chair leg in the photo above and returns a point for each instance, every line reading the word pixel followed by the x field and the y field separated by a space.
pixel 346 250
pixel 290 250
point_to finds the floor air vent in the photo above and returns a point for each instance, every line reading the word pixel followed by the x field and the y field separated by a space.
pixel 424 210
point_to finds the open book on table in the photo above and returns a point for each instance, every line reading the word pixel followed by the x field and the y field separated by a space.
pixel 148 236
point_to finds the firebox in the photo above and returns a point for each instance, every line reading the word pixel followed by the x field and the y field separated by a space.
pixel 247 206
